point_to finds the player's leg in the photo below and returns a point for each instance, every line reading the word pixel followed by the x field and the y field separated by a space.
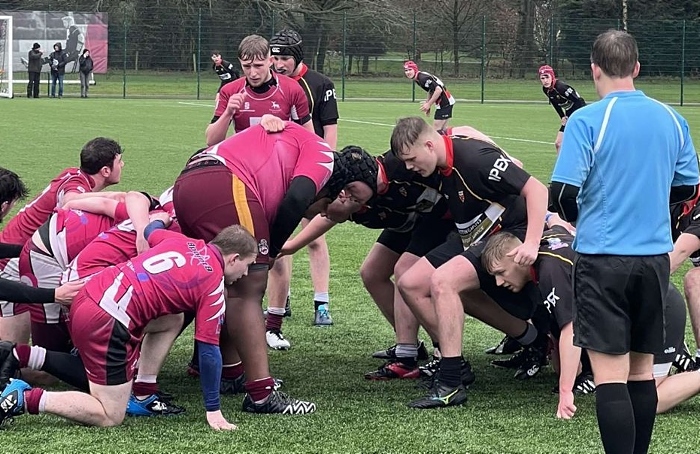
pixel 558 140
pixel 320 269
pixel 14 319
pixel 442 117
pixel 691 284
pixel 278 282
pixel 675 389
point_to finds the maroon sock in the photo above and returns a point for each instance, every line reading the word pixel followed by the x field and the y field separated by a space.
pixel 260 389
pixel 144 389
pixel 232 372
pixel 32 398
pixel 23 351
pixel 273 322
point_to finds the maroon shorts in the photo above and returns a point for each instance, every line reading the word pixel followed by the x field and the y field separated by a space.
pixel 109 352
pixel 208 199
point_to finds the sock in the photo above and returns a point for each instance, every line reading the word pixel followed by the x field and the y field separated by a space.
pixel 275 315
pixel 259 390
pixel 21 353
pixel 615 418
pixel 451 371
pixel 407 354
pixel 232 371
pixel 67 368
pixel 34 401
pixel 644 399
pixel 145 385
pixel 697 353
pixel 320 298
pixel 528 336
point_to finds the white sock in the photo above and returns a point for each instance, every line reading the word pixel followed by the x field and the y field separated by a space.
pixel 321 297
pixel 37 356
pixel 146 378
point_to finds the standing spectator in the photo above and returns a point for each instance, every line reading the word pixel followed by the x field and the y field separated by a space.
pixel 57 60
pixel 34 69
pixel 622 156
pixel 288 56
pixel 224 69
pixel 437 94
pixel 562 97
pixel 85 70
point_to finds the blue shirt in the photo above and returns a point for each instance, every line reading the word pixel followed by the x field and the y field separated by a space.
pixel 624 153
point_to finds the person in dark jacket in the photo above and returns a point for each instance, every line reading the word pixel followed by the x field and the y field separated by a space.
pixel 35 62
pixel 85 70
pixel 57 60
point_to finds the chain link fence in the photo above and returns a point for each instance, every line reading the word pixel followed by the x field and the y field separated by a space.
pixel 164 52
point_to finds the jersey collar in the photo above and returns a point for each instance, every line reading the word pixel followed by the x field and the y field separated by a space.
pixel 302 72
pixel 382 176
pixel 217 253
pixel 533 275
pixel 449 151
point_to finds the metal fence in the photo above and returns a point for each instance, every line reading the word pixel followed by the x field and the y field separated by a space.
pixel 165 52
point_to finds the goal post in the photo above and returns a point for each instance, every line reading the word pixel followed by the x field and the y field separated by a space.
pixel 6 57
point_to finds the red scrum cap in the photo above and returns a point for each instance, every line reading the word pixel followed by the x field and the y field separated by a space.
pixel 546 69
pixel 410 65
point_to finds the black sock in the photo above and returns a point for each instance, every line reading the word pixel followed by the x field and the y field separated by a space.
pixel 67 368
pixel 644 400
pixel 615 418
pixel 528 336
pixel 436 345
pixel 451 371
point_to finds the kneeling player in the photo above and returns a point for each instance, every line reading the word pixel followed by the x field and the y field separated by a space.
pixel 117 306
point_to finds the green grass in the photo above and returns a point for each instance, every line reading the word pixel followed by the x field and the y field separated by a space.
pixel 183 85
pixel 40 137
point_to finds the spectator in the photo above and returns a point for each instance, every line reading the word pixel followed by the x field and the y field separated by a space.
pixel 85 70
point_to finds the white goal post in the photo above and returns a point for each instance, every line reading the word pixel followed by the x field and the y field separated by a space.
pixel 6 57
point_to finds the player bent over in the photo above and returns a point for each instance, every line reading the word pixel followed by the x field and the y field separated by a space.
pixel 113 311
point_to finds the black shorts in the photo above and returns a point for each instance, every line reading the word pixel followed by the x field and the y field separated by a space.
pixel 674 326
pixel 521 305
pixel 443 113
pixel 619 303
pixel 426 235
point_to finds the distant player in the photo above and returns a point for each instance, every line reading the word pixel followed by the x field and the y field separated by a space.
pixel 562 97
pixel 117 307
pixel 224 69
pixel 437 94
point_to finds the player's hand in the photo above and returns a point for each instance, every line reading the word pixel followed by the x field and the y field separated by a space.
pixel 160 216
pixel 425 107
pixel 235 102
pixel 141 243
pixel 65 293
pixel 217 421
pixel 525 254
pixel 564 120
pixel 566 407
pixel 271 124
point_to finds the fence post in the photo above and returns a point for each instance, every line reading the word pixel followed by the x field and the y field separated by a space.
pixel 682 62
pixel 483 57
pixel 199 49
pixel 551 43
pixel 415 54
pixel 124 66
pixel 342 70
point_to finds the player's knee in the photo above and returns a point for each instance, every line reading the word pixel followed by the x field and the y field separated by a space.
pixel 442 281
pixel 409 284
pixel 112 418
pixel 318 245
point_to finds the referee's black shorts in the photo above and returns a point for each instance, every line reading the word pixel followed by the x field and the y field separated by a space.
pixel 619 303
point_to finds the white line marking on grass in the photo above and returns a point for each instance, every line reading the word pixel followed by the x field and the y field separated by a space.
pixel 195 104
pixel 513 139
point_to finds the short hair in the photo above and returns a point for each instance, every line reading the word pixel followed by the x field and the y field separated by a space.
pixel 497 246
pixel 11 186
pixel 98 153
pixel 253 47
pixel 216 52
pixel 616 53
pixel 406 133
pixel 235 239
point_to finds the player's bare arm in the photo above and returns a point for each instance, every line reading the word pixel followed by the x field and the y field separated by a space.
pixel 314 229
pixel 137 206
pixel 569 359
pixel 330 135
pixel 535 195
pixel 685 245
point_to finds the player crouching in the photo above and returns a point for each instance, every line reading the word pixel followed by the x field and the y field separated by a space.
pixel 111 314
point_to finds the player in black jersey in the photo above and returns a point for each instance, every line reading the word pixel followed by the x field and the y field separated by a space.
pixel 288 59
pixel 224 69
pixel 437 94
pixel 562 97
pixel 486 193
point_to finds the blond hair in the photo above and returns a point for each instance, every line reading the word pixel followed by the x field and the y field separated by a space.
pixel 253 47
pixel 235 239
pixel 406 133
pixel 497 246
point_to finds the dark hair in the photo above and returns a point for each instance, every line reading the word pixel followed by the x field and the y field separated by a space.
pixel 216 52
pixel 11 186
pixel 616 53
pixel 97 153
pixel 85 50
pixel 59 45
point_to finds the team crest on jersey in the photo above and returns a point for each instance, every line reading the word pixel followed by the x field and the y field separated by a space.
pixel 461 196
pixel 403 191
pixel 275 105
pixel 382 215
pixel 246 106
pixel 556 243
pixel 263 247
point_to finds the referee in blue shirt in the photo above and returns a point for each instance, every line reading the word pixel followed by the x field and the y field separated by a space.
pixel 620 160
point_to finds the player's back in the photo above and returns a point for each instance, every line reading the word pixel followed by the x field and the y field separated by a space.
pixel 35 213
pixel 171 277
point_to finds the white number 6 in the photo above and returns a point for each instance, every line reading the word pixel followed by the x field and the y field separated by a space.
pixel 163 262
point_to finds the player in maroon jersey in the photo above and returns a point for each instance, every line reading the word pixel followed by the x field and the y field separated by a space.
pixel 244 101
pixel 100 166
pixel 268 189
pixel 118 306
